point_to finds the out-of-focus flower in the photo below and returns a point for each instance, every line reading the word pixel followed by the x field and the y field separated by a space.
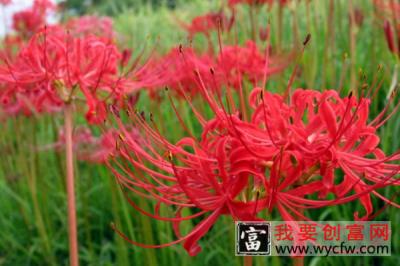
pixel 176 69
pixel 28 21
pixel 91 25
pixel 55 67
pixel 211 21
pixel 247 62
pixel 257 2
pixel 230 67
pixel 5 2
pixel 81 136
pixel 389 14
pixel 263 33
pixel 358 17
pixel 90 148
pixel 392 39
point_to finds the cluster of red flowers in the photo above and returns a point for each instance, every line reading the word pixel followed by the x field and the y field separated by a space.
pixel 25 24
pixel 283 157
pixel 175 70
pixel 230 67
pixel 55 66
pixel 43 67
pixel 28 21
pixel 237 62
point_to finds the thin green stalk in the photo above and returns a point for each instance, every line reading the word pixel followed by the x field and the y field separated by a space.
pixel 280 29
pixel 32 181
pixel 147 233
pixel 353 71
pixel 329 43
pixel 121 246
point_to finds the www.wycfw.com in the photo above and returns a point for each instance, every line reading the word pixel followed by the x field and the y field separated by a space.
pixel 333 250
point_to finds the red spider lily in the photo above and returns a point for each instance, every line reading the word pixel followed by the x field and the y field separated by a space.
pixel 7 102
pixel 391 34
pixel 175 71
pixel 263 33
pixel 337 135
pixel 230 67
pixel 81 136
pixel 55 67
pixel 206 23
pixel 52 71
pixel 5 2
pixel 256 2
pixel 193 182
pixel 91 25
pixel 358 17
pixel 247 61
pixel 90 148
pixel 389 13
pixel 27 22
pixel 280 158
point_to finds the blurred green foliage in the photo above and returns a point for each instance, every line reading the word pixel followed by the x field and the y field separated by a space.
pixel 111 8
